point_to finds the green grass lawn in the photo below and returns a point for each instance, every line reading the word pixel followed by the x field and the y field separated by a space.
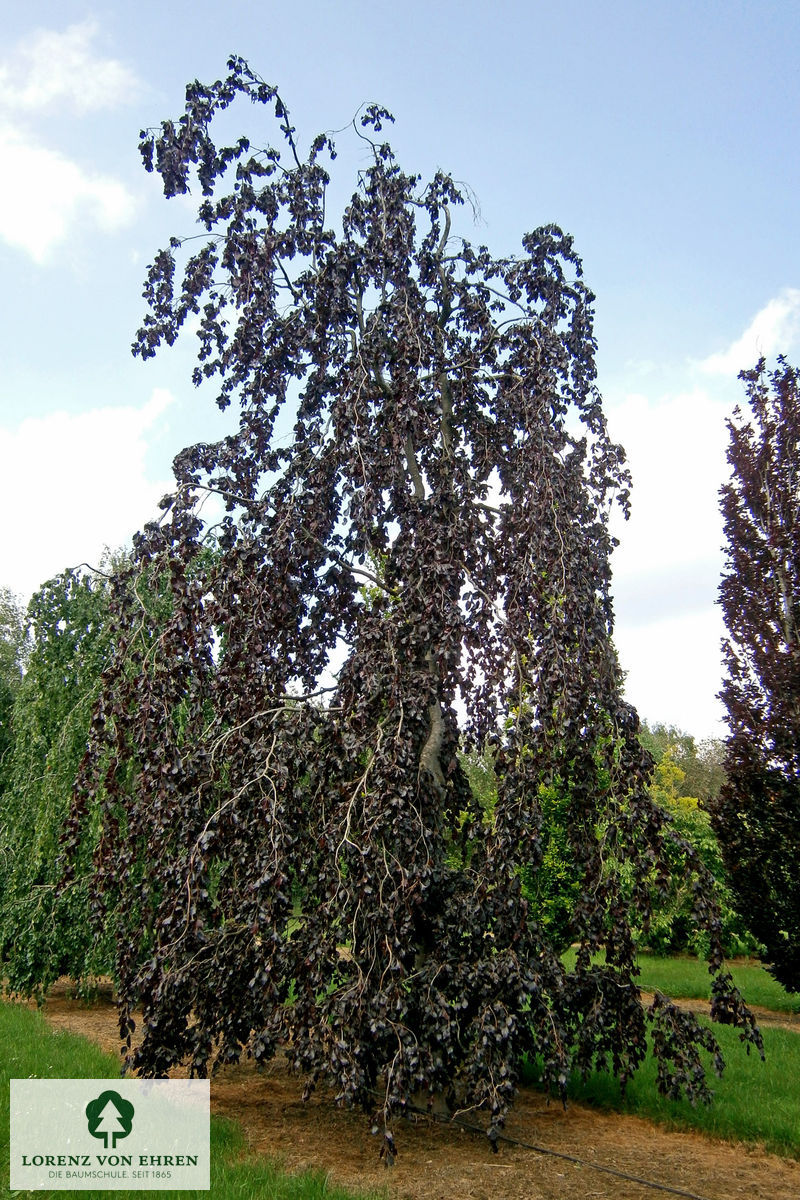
pixel 754 1101
pixel 684 977
pixel 29 1049
pixel 689 978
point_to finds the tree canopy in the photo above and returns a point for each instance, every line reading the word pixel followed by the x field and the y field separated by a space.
pixel 686 782
pixel 13 655
pixel 700 763
pixel 46 932
pixel 757 817
pixel 411 559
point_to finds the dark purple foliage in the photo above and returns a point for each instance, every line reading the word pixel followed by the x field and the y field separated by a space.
pixel 757 817
pixel 303 863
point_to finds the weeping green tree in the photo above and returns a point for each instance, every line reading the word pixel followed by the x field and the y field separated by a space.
pixel 44 931
pixel 14 648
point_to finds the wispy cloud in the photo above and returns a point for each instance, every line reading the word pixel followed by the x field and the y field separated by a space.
pixel 45 196
pixel 775 329
pixel 668 564
pixel 64 68
pixel 85 483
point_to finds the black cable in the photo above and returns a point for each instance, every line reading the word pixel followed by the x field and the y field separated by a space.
pixel 581 1162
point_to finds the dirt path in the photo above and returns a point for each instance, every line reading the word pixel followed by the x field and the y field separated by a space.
pixel 437 1162
pixel 764 1016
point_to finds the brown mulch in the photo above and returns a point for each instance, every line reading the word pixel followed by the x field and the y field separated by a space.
pixel 440 1162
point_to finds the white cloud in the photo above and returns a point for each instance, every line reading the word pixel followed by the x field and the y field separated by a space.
pixel 667 566
pixel 63 68
pixel 72 484
pixel 676 452
pixel 773 330
pixel 674 671
pixel 45 196
pixel 670 559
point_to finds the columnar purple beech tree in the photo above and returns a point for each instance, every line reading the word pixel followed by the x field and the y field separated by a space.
pixel 757 816
pixel 413 558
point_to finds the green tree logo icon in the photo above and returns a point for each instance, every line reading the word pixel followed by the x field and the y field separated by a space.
pixel 109 1116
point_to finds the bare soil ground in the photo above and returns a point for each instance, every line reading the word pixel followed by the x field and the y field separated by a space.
pixel 440 1162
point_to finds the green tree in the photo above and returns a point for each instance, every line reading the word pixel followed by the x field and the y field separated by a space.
pixel 552 885
pixel 45 932
pixel 671 928
pixel 14 648
pixel 701 763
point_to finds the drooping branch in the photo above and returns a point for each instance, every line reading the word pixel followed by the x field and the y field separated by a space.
pixel 413 376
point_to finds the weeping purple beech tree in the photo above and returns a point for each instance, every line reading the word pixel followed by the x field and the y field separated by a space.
pixel 422 566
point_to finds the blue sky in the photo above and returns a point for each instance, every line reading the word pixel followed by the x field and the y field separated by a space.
pixel 663 137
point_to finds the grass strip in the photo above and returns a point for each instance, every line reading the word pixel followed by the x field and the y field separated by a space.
pixel 687 978
pixel 755 1102
pixel 29 1049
